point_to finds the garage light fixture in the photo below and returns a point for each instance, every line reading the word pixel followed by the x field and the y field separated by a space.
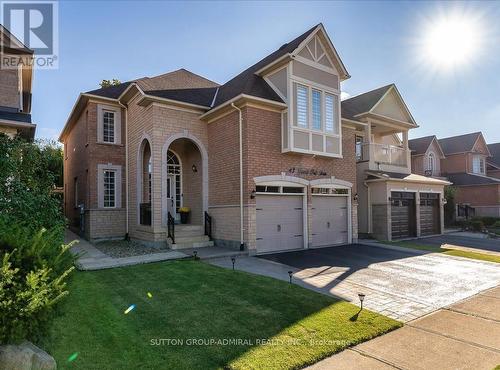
pixel 361 298
pixel 195 255
pixel 252 194
pixel 233 260
pixel 194 168
pixel 290 273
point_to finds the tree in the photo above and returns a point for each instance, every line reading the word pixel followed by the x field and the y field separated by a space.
pixel 449 208
pixel 29 173
pixel 108 83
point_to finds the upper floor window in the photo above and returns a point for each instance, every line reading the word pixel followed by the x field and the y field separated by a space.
pixel 108 126
pixel 430 162
pixel 330 113
pixel 302 93
pixel 316 109
pixel 359 148
pixel 478 164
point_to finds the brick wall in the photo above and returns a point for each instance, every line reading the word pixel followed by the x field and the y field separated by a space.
pixel 455 163
pixel 9 88
pixel 82 155
pixel 486 195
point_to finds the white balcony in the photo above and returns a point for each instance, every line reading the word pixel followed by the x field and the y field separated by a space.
pixel 383 154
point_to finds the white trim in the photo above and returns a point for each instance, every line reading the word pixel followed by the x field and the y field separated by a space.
pixel 405 107
pixel 332 182
pixel 273 86
pixel 117 124
pixel 315 64
pixel 282 179
pixel 242 96
pixel 204 158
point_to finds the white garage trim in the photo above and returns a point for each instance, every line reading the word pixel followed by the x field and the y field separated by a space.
pixel 291 181
pixel 333 183
pixel 287 180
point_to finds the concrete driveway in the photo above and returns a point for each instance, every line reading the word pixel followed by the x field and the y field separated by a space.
pixel 465 335
pixel 399 284
pixel 457 239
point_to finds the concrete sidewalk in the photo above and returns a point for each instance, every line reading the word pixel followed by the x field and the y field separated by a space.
pixel 465 335
pixel 91 258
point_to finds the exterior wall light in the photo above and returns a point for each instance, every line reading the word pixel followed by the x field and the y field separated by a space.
pixel 356 197
pixel 194 168
pixel 252 194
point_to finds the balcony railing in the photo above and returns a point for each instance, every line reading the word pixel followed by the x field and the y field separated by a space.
pixel 383 154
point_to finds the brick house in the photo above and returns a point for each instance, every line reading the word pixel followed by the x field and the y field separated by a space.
pixel 466 166
pixel 265 161
pixel 15 89
pixel 426 156
pixel 395 202
pixel 493 162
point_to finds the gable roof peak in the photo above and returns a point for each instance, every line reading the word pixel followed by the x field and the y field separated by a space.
pixel 460 143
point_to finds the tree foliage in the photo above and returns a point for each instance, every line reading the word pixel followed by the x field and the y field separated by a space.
pixel 108 83
pixel 29 172
pixel 449 208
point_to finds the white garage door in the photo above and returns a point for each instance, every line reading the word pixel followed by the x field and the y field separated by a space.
pixel 329 220
pixel 279 222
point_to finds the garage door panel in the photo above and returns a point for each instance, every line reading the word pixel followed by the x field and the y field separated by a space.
pixel 279 222
pixel 329 220
pixel 430 219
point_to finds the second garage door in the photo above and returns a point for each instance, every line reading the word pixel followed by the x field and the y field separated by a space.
pixel 279 223
pixel 430 221
pixel 403 215
pixel 329 220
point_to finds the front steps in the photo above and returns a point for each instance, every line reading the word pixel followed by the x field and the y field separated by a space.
pixel 190 236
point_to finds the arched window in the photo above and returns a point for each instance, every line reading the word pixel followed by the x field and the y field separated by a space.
pixel 430 164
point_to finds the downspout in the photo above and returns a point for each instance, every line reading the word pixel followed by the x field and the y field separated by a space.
pixel 126 172
pixel 242 245
pixel 369 207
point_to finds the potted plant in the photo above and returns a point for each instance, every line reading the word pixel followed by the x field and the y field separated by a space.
pixel 184 212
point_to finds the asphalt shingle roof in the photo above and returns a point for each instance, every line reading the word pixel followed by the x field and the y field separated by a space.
pixel 419 146
pixel 197 92
pixel 470 179
pixel 363 102
pixel 495 153
pixel 459 144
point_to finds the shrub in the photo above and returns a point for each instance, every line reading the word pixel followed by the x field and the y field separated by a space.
pixel 34 268
pixel 496 225
pixel 477 225
pixel 28 175
pixel 487 220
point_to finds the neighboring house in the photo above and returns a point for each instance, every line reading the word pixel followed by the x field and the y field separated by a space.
pixel 426 156
pixel 493 162
pixel 394 202
pixel 15 89
pixel 465 166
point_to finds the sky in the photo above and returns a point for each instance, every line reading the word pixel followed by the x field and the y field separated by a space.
pixel 379 43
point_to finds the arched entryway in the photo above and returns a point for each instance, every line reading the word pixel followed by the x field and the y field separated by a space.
pixel 184 178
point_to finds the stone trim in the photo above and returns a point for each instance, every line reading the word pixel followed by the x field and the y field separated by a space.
pixel 204 159
pixel 331 181
pixel 280 178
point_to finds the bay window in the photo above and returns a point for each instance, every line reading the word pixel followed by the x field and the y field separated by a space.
pixel 314 126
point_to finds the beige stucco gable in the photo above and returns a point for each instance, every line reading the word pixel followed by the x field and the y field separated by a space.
pixel 391 106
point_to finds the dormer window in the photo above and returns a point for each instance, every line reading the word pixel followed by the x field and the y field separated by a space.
pixel 478 165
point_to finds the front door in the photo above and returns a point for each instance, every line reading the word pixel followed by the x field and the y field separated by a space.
pixel 171 196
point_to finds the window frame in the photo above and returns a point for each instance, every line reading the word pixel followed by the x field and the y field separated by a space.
pixel 102 109
pixel 307 110
pixel 102 168
pixel 481 166
pixel 104 123
pixel 109 171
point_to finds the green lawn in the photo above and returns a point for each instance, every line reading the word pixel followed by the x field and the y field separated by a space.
pixel 191 299
pixel 450 252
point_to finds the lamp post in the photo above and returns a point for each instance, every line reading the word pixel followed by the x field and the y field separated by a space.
pixel 233 260
pixel 195 254
pixel 361 298
pixel 290 273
